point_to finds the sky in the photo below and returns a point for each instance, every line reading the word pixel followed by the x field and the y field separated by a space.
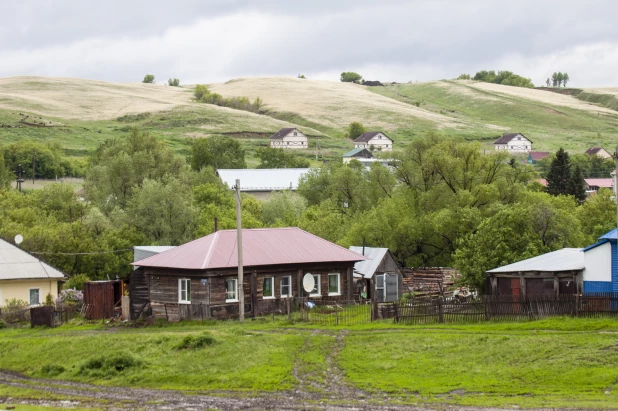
pixel 213 41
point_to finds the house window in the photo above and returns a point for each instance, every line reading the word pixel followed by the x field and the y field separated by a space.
pixel 295 133
pixel 268 287
pixel 317 288
pixel 333 284
pixel 231 290
pixel 286 286
pixel 184 291
pixel 35 296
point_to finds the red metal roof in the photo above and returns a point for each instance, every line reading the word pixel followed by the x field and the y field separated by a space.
pixel 261 246
pixel 600 182
pixel 538 155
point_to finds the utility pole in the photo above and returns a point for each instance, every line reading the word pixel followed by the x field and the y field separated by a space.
pixel 615 155
pixel 19 172
pixel 33 162
pixel 241 295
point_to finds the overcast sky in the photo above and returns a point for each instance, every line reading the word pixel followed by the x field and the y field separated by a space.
pixel 212 41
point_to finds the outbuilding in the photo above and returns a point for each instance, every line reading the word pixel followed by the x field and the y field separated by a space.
pixel 379 277
pixel 555 273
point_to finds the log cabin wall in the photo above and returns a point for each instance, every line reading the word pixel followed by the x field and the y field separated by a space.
pixel 163 284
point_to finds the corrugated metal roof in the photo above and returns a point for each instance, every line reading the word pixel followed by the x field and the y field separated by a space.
pixel 356 151
pixel 609 235
pixel 261 246
pixel 600 182
pixel 144 251
pixel 17 264
pixel 263 179
pixel 368 267
pixel 567 259
pixel 595 245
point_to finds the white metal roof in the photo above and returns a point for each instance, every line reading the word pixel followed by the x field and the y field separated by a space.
pixel 16 264
pixel 368 267
pixel 567 259
pixel 263 179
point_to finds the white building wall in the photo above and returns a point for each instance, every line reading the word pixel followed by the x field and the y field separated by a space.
pixel 598 263
pixel 291 141
pixel 379 141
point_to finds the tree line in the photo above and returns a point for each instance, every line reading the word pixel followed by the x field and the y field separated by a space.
pixel 558 79
pixel 441 203
pixel 504 77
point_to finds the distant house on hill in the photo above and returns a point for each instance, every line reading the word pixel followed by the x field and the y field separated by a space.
pixel 594 184
pixel 356 154
pixel 513 143
pixel 290 138
pixel 535 156
pixel 598 151
pixel 262 182
pixel 374 140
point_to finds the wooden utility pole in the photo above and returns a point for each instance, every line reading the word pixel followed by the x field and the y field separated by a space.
pixel 241 295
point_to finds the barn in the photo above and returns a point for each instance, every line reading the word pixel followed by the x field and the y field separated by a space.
pixel 200 278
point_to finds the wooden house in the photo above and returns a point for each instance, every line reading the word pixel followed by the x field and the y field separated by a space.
pixel 378 278
pixel 374 140
pixel 200 278
pixel 513 143
pixel 598 151
pixel 289 138
pixel 25 277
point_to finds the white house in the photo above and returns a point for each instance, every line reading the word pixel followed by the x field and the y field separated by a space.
pixel 514 143
pixel 290 138
pixel 598 151
pixel 374 139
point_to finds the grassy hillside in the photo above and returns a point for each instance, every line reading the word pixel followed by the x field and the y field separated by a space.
pixel 79 114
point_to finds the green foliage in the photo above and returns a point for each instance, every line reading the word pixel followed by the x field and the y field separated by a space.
pixel 559 174
pixel 576 185
pixel 283 209
pixel 14 304
pixel 506 78
pixel 76 282
pixel 302 76
pixel 49 300
pixel 49 160
pixel 196 342
pixel 279 158
pixel 52 370
pixel 355 129
pixel 173 82
pixel 149 78
pixel 204 95
pixel 350 77
pixel 6 177
pixel 163 211
pixel 464 77
pixel 216 152
pixel 119 167
pixel 108 365
pixel 559 79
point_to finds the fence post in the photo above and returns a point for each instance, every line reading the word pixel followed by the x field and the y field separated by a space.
pixel 336 316
pixel 289 305
pixel 395 307
pixel 577 305
pixel 440 310
pixel 202 312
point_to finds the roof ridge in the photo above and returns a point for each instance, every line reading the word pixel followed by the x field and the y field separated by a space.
pixel 210 249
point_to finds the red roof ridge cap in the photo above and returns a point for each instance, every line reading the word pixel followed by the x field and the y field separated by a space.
pixel 210 249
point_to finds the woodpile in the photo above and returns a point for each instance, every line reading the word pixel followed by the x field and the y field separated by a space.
pixel 426 281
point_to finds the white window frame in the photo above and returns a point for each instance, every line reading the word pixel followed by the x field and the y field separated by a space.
pixel 232 300
pixel 30 299
pixel 289 277
pixel 187 299
pixel 338 284
pixel 272 288
pixel 318 284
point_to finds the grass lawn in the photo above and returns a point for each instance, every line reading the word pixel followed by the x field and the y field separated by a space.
pixel 553 363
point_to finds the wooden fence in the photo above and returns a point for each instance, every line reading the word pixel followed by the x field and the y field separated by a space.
pixel 501 308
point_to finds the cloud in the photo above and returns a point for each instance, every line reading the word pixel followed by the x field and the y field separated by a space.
pixel 387 41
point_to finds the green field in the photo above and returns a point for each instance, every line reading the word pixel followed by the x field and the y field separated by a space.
pixel 562 362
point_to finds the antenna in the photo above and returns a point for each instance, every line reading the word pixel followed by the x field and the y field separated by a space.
pixel 19 239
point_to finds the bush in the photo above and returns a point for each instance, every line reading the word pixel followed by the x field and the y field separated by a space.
pixel 76 282
pixel 49 300
pixel 355 129
pixel 203 95
pixel 351 77
pixel 52 370
pixel 15 304
pixel 191 342
pixel 173 82
pixel 149 78
pixel 107 366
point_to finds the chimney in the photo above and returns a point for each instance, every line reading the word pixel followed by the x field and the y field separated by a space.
pixel 216 224
pixel 363 246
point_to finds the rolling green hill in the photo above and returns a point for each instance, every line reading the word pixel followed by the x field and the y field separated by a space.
pixel 79 114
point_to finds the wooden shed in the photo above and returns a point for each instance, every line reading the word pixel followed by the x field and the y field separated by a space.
pixel 379 278
pixel 102 298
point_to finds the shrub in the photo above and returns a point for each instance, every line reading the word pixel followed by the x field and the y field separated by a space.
pixel 15 304
pixel 191 342
pixel 149 78
pixel 71 296
pixel 107 366
pixel 351 77
pixel 76 282
pixel 49 300
pixel 355 129
pixel 52 370
pixel 203 95
pixel 173 82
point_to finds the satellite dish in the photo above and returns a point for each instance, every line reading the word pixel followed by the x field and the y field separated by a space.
pixel 308 282
pixel 19 239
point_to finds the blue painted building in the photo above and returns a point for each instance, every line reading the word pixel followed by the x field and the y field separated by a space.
pixel 601 265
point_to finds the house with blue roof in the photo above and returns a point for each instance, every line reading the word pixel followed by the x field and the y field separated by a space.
pixel 601 265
